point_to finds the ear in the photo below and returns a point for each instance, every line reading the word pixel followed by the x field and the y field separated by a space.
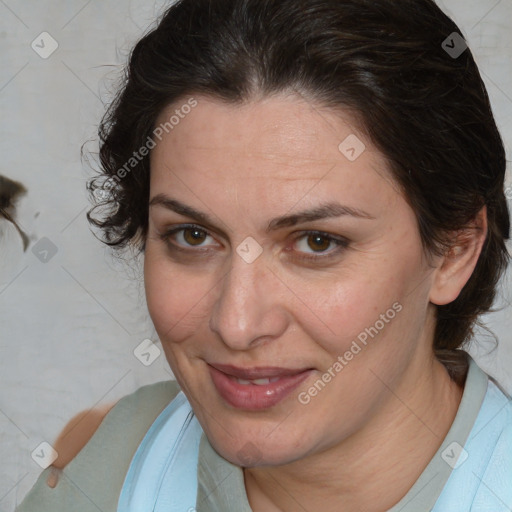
pixel 459 261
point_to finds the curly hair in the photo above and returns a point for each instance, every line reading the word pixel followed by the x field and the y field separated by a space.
pixel 425 108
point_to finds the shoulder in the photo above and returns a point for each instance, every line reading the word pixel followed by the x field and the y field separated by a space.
pixel 137 409
pixel 77 432
pixel 100 458
pixel 146 399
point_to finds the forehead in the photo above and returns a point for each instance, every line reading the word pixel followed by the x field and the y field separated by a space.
pixel 266 144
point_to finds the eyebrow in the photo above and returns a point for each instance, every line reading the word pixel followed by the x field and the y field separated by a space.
pixel 328 210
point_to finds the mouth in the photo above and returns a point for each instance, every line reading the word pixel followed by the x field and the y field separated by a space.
pixel 256 388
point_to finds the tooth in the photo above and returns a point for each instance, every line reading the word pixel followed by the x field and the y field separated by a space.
pixel 261 382
pixel 257 382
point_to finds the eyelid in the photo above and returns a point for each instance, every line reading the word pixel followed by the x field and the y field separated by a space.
pixel 335 238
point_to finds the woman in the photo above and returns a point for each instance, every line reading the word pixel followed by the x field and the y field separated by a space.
pixel 317 187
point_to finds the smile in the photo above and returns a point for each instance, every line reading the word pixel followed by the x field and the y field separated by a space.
pixel 255 388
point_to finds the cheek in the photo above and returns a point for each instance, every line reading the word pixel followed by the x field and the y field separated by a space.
pixel 344 312
pixel 360 310
pixel 177 299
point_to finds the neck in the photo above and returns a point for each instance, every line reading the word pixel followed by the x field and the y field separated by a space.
pixel 374 468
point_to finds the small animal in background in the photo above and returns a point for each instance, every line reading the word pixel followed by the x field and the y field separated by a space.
pixel 10 192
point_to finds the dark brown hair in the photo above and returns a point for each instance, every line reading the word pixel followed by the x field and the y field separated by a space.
pixel 425 109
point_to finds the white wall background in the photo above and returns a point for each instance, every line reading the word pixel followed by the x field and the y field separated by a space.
pixel 68 327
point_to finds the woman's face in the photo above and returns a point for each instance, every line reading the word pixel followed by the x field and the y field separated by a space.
pixel 284 274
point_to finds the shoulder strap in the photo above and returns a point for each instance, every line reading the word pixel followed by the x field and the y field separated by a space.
pixel 92 481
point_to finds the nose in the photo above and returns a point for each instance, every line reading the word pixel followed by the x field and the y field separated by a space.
pixel 249 309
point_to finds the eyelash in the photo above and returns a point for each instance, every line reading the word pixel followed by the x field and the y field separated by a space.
pixel 340 242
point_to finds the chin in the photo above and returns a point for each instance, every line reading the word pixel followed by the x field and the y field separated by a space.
pixel 252 451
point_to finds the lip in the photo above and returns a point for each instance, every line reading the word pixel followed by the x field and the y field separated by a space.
pixel 251 396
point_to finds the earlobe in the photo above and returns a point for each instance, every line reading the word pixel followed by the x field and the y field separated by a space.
pixel 459 261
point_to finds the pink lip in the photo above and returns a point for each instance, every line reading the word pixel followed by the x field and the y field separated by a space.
pixel 252 396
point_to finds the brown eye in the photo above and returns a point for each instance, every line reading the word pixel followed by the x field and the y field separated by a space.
pixel 188 237
pixel 318 243
pixel 194 236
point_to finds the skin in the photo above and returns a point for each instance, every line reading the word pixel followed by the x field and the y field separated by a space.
pixel 362 442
